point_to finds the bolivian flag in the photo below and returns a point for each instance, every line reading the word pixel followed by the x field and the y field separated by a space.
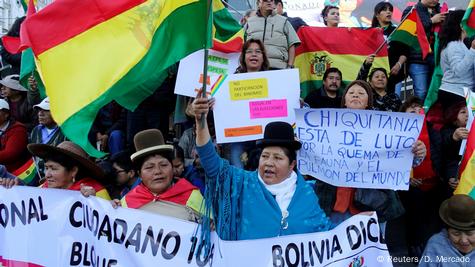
pixel 91 52
pixel 342 48
pixel 411 32
pixel 228 34
pixel 467 167
pixel 27 172
pixel 468 21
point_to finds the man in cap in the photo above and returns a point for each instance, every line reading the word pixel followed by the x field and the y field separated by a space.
pixel 21 100
pixel 455 245
pixel 47 131
pixel 13 140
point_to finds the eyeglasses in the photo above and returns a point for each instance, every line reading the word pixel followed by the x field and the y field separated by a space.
pixel 120 171
pixel 257 51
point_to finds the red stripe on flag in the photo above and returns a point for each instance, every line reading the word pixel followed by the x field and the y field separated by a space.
pixel 24 167
pixel 13 263
pixel 75 17
pixel 11 44
pixel 471 20
pixel 421 35
pixel 234 45
pixel 341 41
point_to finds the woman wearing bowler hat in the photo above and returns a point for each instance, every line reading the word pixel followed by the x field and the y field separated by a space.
pixel 271 201
pixel 67 166
pixel 456 243
pixel 153 163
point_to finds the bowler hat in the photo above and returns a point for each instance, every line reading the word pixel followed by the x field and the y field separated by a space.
pixel 279 133
pixel 148 142
pixel 72 151
pixel 458 212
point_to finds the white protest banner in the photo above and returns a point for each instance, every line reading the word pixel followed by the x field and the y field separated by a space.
pixel 51 227
pixel 190 72
pixel 357 148
pixel 48 227
pixel 247 102
pixel 357 240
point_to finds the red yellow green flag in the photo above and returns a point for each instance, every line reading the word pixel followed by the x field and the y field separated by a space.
pixel 228 35
pixel 468 21
pixel 342 48
pixel 27 172
pixel 91 52
pixel 411 32
pixel 467 167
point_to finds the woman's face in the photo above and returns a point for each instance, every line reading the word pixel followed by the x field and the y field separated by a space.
pixel 379 80
pixel 156 173
pixel 7 92
pixel 45 118
pixel 178 167
pixel 385 16
pixel 356 97
pixel 57 176
pixel 254 58
pixel 274 165
pixel 462 117
pixel 333 17
pixel 463 241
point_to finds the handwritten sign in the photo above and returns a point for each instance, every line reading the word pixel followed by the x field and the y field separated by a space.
pixel 247 102
pixel 190 73
pixel 357 148
pixel 268 108
pixel 248 89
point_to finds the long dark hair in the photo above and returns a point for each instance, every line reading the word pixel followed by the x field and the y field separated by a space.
pixel 242 58
pixel 381 6
pixel 451 30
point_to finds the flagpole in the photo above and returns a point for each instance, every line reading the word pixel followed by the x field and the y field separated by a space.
pixel 387 39
pixel 205 59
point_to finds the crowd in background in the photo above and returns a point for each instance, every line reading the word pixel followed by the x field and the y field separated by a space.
pixel 146 141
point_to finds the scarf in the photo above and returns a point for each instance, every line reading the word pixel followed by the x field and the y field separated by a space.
pixel 283 191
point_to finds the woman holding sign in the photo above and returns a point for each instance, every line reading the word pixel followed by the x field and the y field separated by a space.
pixel 272 201
pixel 340 203
pixel 253 58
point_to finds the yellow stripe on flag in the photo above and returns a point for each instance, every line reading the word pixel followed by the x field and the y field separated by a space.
pixel 409 26
pixel 349 65
pixel 467 179
pixel 78 72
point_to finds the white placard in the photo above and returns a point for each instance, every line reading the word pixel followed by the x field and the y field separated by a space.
pixel 357 148
pixel 189 75
pixel 246 103
pixel 48 227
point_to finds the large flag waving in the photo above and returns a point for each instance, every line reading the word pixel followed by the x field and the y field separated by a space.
pixel 91 52
pixel 468 21
pixel 411 32
pixel 343 48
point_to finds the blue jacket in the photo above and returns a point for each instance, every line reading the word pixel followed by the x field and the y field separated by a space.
pixel 244 209
pixel 440 249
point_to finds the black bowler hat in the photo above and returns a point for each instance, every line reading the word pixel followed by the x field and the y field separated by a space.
pixel 279 133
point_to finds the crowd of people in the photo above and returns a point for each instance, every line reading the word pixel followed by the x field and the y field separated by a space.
pixel 254 189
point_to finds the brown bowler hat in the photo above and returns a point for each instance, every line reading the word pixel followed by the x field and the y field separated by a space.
pixel 72 151
pixel 149 142
pixel 458 212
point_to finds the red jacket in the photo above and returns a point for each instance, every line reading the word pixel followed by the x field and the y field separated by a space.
pixel 13 152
